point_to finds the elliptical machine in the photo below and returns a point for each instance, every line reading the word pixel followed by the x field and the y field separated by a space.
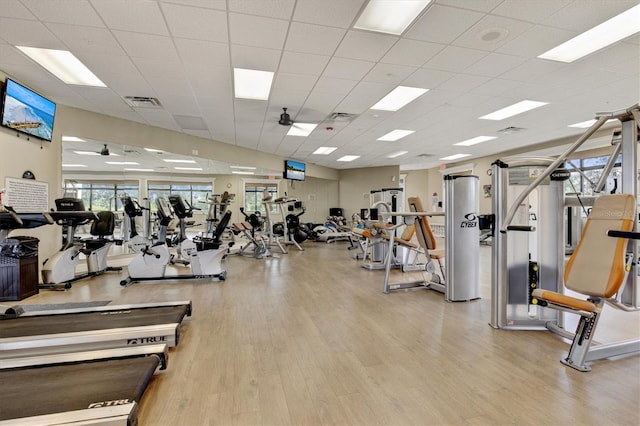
pixel 133 209
pixel 60 269
pixel 204 258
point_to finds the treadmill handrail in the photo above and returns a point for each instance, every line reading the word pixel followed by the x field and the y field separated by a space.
pixel 15 311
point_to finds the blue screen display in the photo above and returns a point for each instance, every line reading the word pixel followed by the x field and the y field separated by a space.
pixel 294 170
pixel 26 111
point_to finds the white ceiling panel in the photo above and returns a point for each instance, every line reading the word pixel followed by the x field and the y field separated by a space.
pixel 65 12
pixel 334 13
pixel 389 73
pixel 455 59
pixel 334 85
pixel 295 82
pixel 205 53
pixel 535 41
pixel 495 64
pixel 442 24
pixel 316 39
pixel 463 83
pixel 87 40
pixel 364 45
pixel 257 31
pixel 15 9
pixel 210 4
pixel 530 10
pixel 303 63
pixel 196 22
pixel 280 9
pixel 147 45
pixel 491 32
pixel 19 32
pixel 254 58
pixel 154 68
pixel 349 69
pixel 413 53
pixel 140 16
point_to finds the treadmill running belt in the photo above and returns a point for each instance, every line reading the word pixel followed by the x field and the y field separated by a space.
pixel 61 388
pixel 68 323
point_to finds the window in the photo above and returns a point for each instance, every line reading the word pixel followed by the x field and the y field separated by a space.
pixel 191 193
pixel 253 194
pixel 591 168
pixel 99 196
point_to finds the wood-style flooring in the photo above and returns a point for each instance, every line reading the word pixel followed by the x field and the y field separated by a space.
pixel 308 338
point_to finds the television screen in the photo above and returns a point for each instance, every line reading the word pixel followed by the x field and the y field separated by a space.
pixel 27 112
pixel 294 170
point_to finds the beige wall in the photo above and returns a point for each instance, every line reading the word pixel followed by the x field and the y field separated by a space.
pixel 355 186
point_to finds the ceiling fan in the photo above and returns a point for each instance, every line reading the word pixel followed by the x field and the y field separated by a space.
pixel 285 118
pixel 105 150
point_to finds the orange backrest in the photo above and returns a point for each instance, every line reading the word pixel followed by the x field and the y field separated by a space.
pixel 423 230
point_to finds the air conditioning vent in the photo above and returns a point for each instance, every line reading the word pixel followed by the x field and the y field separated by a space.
pixel 510 130
pixel 142 102
pixel 342 117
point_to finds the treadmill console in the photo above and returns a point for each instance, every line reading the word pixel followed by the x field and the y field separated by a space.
pixel 69 205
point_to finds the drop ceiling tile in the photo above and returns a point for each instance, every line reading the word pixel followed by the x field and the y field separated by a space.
pixel 491 32
pixel 296 82
pixel 531 10
pixel 389 73
pixel 209 4
pixel 196 23
pixel 280 9
pixel 495 64
pixel 210 81
pixel 427 78
pixel 463 82
pixel 147 46
pixel 334 85
pixel 455 59
pixel 532 69
pixel 442 24
pixel 15 9
pixel 12 56
pixel 535 41
pixel 135 16
pixel 316 39
pixel 349 69
pixel 303 63
pixel 333 13
pixel 575 16
pixel 150 68
pixel 65 12
pixel 279 99
pixel 411 52
pixel 366 46
pixel 496 86
pixel 322 103
pixel 256 31
pixel 169 87
pixel 28 33
pixel 200 52
pixel 127 84
pixel 254 58
pixel 181 104
pixel 86 39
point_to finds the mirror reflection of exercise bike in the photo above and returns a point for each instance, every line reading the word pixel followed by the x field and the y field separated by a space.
pixel 204 259
pixel 258 244
pixel 60 269
pixel 133 209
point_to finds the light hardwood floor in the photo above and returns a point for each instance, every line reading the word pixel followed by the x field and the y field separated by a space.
pixel 309 338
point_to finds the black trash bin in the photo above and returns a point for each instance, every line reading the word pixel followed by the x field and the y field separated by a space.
pixel 18 268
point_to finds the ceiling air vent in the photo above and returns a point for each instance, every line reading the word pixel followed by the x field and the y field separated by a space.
pixel 142 102
pixel 341 116
pixel 510 130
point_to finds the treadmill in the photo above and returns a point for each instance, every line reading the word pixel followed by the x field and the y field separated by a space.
pixel 27 333
pixel 94 387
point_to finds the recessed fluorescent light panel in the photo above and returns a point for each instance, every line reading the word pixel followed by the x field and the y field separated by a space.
pixel 175 160
pixel 137 170
pixel 348 158
pixel 615 29
pixel 72 139
pixel 589 123
pixel 122 163
pixel 188 168
pixel 236 172
pixel 242 167
pixel 74 165
pixel 397 154
pixel 455 156
pixel 325 150
pixel 86 152
pixel 390 17
pixel 512 110
pixel 153 150
pixel 475 141
pixel 301 129
pixel 399 97
pixel 394 135
pixel 63 65
pixel 252 84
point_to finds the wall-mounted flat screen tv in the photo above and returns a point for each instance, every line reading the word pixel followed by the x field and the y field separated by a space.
pixel 294 170
pixel 26 111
